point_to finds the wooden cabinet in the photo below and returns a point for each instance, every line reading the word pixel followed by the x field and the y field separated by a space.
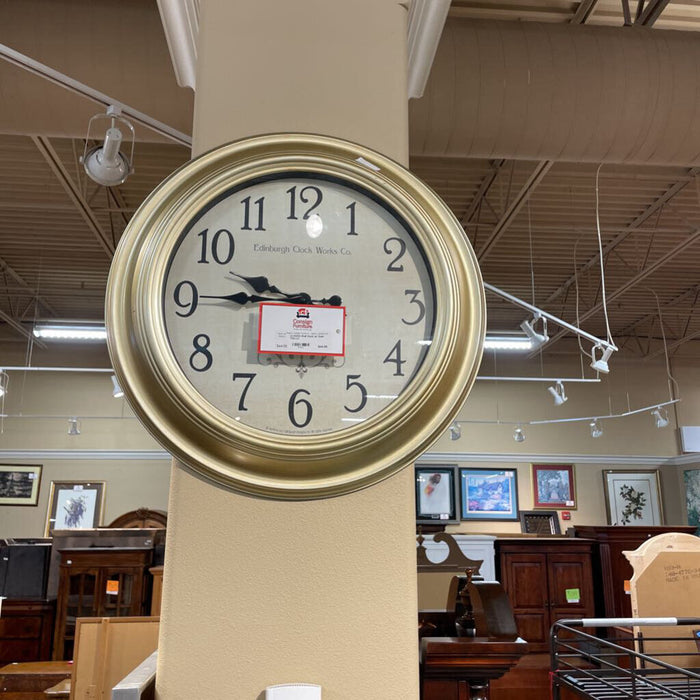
pixel 98 582
pixel 26 628
pixel 612 568
pixel 546 580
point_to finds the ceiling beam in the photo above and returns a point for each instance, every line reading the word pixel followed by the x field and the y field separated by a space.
pixel 655 206
pixel 6 269
pixel 46 149
pixel 693 291
pixel 635 280
pixel 651 12
pixel 516 204
pixel 673 346
pixel 483 190
pixel 19 328
pixel 584 11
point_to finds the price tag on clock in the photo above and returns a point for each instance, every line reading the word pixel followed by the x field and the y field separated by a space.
pixel 301 330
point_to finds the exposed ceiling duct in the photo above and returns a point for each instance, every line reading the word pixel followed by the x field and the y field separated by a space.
pixel 561 92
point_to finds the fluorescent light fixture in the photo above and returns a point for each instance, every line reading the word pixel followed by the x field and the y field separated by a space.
pixel 601 364
pixel 596 428
pixel 519 435
pixel 508 342
pixel 558 394
pixel 455 431
pixel 117 391
pixel 660 416
pixel 67 331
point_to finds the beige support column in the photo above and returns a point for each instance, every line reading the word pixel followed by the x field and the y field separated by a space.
pixel 261 592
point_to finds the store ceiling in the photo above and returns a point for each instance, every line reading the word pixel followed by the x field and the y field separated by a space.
pixel 532 221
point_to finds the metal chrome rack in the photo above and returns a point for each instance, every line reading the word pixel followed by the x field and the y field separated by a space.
pixel 626 666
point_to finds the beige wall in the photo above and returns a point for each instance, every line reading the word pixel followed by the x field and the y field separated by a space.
pixel 120 452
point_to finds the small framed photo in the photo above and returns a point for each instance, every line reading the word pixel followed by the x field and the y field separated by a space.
pixel 488 494
pixel 553 486
pixel 633 497
pixel 74 505
pixel 19 484
pixel 435 494
pixel 540 522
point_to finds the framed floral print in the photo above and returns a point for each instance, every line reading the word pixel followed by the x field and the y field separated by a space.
pixel 633 497
pixel 74 505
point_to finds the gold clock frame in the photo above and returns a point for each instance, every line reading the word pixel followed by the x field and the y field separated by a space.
pixel 262 463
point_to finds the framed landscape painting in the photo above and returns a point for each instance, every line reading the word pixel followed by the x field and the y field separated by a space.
pixel 488 494
pixel 553 486
pixel 633 497
pixel 19 484
pixel 74 505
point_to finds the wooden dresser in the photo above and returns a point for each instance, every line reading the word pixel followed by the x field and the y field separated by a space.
pixel 26 629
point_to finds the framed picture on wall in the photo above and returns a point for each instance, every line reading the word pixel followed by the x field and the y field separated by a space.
pixel 74 505
pixel 540 522
pixel 488 494
pixel 633 497
pixel 435 494
pixel 553 486
pixel 692 497
pixel 19 484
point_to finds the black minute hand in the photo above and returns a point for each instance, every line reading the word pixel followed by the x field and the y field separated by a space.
pixel 303 299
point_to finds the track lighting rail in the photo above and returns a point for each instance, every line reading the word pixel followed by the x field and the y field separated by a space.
pixel 604 344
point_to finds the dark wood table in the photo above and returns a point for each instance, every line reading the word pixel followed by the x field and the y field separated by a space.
pixel 461 668
pixel 28 681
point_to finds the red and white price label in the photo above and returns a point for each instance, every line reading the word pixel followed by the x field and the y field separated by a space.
pixel 301 330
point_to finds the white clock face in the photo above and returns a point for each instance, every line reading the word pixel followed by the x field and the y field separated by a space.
pixel 347 298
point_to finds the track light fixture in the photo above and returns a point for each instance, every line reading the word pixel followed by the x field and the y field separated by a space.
pixel 558 393
pixel 117 391
pixel 596 428
pixel 536 339
pixel 73 426
pixel 518 434
pixel 106 164
pixel 660 416
pixel 600 364
pixel 455 431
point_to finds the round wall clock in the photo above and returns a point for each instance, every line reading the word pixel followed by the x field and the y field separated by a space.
pixel 295 316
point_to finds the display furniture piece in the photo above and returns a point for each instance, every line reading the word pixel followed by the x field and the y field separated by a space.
pixel 612 568
pixel 29 681
pixel 99 582
pixel 116 538
pixel 482 645
pixel 546 579
pixel 26 628
pixel 140 518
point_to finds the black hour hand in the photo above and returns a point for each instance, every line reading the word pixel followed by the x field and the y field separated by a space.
pixel 259 284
